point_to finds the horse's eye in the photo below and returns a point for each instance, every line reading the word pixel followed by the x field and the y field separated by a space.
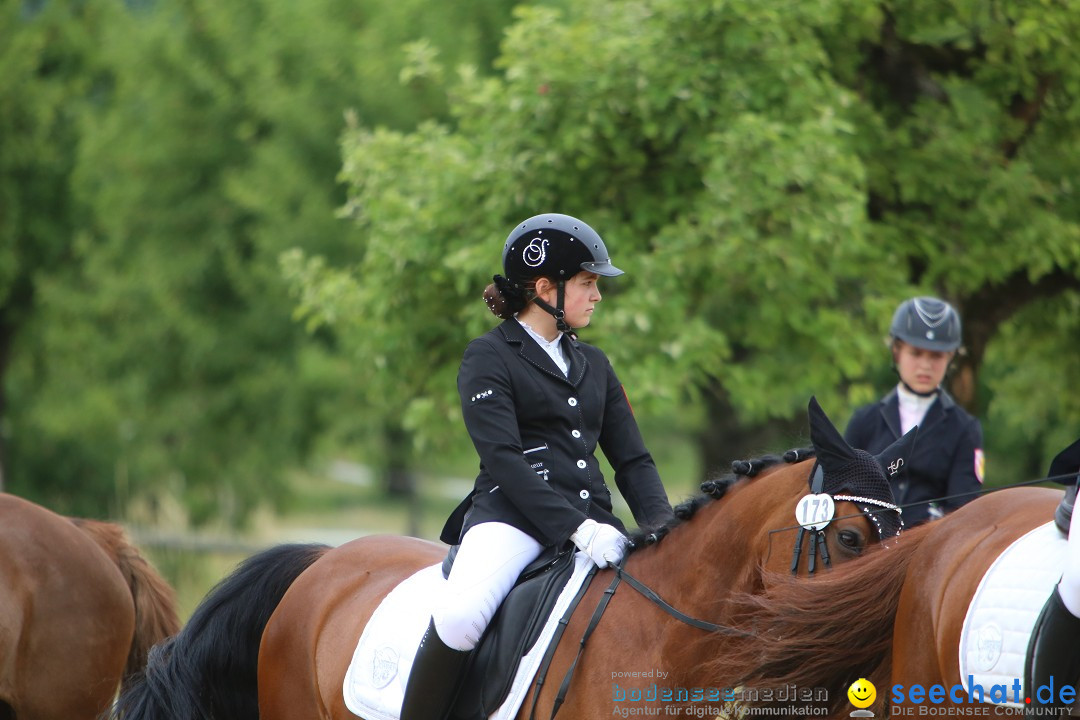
pixel 852 540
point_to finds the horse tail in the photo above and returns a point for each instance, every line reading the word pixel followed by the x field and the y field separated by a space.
pixel 209 670
pixel 825 631
pixel 156 615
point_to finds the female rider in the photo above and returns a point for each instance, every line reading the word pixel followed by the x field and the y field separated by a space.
pixel 536 402
pixel 946 466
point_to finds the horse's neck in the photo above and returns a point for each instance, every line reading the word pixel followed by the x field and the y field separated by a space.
pixel 697 568
pixel 711 555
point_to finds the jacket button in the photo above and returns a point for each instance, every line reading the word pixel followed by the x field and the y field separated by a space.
pixel 572 402
pixel 576 433
pixel 581 464
pixel 584 494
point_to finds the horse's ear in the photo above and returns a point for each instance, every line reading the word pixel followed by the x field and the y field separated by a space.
pixel 894 459
pixel 832 450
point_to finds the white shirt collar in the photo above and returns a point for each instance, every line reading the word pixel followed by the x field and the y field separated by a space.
pixel 912 407
pixel 553 348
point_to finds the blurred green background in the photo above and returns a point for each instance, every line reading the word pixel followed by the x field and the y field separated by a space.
pixel 346 501
pixel 242 245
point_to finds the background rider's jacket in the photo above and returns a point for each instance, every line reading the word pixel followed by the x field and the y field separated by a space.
pixel 536 432
pixel 943 462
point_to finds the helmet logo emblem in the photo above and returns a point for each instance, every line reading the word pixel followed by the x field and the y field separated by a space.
pixel 535 252
pixel 931 316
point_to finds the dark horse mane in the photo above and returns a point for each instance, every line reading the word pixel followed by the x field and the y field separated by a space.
pixel 715 489
pixel 824 631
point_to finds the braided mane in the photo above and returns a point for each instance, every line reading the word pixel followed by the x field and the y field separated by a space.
pixel 714 489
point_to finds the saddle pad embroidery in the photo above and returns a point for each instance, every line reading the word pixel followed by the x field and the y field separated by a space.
pixel 375 681
pixel 1003 611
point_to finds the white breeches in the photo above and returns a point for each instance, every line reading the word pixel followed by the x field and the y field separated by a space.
pixel 490 558
pixel 1069 587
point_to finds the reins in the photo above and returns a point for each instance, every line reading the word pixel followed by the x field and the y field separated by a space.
pixel 655 599
pixel 647 592
pixel 987 491
pixel 545 664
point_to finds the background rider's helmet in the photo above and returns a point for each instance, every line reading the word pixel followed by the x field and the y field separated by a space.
pixel 554 246
pixel 928 323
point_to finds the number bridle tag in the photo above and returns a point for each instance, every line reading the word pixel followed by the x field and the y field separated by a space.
pixel 815 511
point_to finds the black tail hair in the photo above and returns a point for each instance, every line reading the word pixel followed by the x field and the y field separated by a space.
pixel 208 670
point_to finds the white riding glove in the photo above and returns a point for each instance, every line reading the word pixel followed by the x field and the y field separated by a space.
pixel 603 543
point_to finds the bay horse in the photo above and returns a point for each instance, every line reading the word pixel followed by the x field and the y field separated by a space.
pixel 274 640
pixel 893 616
pixel 80 609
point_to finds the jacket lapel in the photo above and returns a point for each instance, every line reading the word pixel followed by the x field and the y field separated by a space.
pixel 936 412
pixel 890 412
pixel 528 350
pixel 578 363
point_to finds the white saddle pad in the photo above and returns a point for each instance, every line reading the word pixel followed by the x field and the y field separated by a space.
pixel 1003 611
pixel 375 681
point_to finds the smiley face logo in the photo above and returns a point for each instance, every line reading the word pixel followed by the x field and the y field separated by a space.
pixel 862 693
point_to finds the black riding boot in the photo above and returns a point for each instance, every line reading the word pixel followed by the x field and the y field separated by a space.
pixel 1063 514
pixel 1053 653
pixel 433 682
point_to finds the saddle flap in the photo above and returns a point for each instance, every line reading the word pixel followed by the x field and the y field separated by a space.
pixel 513 631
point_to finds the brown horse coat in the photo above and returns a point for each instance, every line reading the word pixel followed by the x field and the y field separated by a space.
pixel 310 637
pixel 79 610
pixel 894 616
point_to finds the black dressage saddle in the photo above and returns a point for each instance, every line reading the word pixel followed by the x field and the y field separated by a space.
pixel 512 633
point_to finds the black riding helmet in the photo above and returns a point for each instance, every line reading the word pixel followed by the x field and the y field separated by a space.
pixel 928 323
pixel 557 247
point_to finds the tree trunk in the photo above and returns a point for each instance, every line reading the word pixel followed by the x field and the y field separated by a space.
pixel 983 312
pixel 398 478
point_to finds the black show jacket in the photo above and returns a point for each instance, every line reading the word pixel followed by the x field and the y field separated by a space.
pixel 536 432
pixel 943 461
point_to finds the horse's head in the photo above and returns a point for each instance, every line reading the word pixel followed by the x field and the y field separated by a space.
pixel 768 507
pixel 819 511
pixel 846 484
pixel 754 518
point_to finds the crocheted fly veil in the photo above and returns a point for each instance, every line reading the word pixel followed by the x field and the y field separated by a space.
pixel 856 475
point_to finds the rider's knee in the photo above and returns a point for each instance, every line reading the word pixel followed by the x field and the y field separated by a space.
pixel 461 620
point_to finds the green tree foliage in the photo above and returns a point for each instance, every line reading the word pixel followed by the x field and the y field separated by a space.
pixel 47 72
pixel 774 176
pixel 165 360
